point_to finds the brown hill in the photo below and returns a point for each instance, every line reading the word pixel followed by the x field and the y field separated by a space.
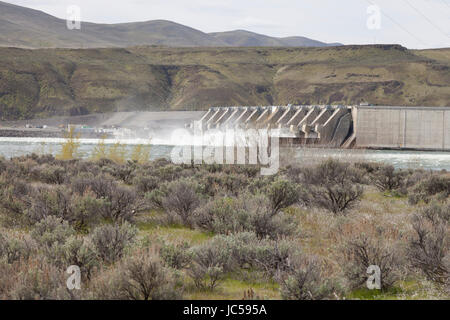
pixel 47 82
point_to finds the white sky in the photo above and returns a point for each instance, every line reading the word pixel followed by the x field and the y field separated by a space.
pixel 412 23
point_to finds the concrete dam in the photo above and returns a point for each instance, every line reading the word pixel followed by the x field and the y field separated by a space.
pixel 421 128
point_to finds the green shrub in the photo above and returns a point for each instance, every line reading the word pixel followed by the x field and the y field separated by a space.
pixel 85 210
pixel 177 256
pixel 282 194
pixel 50 231
pixel 13 249
pixel 78 251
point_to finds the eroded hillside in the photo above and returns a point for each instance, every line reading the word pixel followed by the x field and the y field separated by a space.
pixel 47 82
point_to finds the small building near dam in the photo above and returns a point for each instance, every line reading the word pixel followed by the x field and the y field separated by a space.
pixel 424 128
pixel 364 126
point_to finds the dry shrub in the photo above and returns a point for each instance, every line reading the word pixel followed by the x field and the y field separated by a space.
pixel 434 187
pixel 304 280
pixel 36 279
pixel 110 241
pixel 181 199
pixel 245 213
pixel 361 252
pixel 332 185
pixel 429 247
pixel 209 264
pixel 139 277
pixel 115 202
pixel 386 178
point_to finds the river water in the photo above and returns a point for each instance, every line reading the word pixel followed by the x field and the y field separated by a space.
pixel 13 147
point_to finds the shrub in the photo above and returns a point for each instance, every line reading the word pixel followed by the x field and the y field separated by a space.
pixel 386 178
pixel 304 281
pixel 125 172
pixel 155 198
pixel 273 256
pixel 246 213
pixel 110 241
pixel 49 174
pixel 332 185
pixel 209 263
pixel 77 251
pixel 246 249
pixel 146 279
pixel 337 198
pixel 282 194
pixel 85 210
pixel 168 173
pixel 176 256
pixel 181 199
pixel 145 184
pixel 14 196
pixel 222 215
pixel 265 223
pixel 14 249
pixel 429 249
pixel 102 186
pixel 50 231
pixel 121 205
pixel 50 202
pixel 39 280
pixel 435 186
pixel 140 277
pixel 362 252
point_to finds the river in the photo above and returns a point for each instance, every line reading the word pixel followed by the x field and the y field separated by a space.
pixel 13 147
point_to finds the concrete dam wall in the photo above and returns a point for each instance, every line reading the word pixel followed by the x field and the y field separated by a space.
pixel 423 128
pixel 403 127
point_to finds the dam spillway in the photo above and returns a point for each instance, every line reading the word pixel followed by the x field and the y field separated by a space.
pixel 390 127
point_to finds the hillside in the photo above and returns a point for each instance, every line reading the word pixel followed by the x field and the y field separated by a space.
pixel 48 82
pixel 28 28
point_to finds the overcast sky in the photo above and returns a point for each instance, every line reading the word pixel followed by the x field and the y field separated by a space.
pixel 412 23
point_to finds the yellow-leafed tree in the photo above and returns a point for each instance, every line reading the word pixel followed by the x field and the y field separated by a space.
pixel 69 149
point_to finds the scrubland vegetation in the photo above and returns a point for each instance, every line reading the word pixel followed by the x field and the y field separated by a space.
pixel 155 230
